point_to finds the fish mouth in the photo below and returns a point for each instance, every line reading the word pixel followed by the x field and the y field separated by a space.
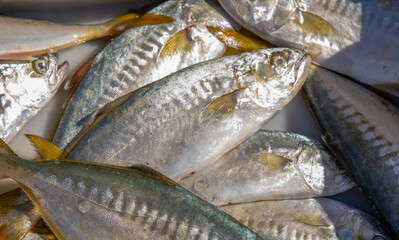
pixel 61 72
pixel 302 70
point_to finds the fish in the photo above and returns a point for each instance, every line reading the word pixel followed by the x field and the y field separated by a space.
pixel 23 38
pixel 190 118
pixel 95 201
pixel 15 5
pixel 26 87
pixel 20 219
pixel 362 130
pixel 270 165
pixel 313 218
pixel 144 55
pixel 354 38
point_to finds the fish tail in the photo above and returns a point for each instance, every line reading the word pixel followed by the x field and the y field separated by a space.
pixel 131 20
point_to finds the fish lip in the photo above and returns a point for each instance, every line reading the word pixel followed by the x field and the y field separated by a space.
pixel 61 72
pixel 302 70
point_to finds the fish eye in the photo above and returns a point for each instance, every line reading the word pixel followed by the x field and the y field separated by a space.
pixel 40 65
pixel 377 237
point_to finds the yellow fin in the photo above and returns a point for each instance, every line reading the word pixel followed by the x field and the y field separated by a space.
pixel 223 105
pixel 311 218
pixel 5 148
pixel 149 19
pixel 10 198
pixel 311 23
pixel 15 229
pixel 272 161
pixel 152 173
pixel 43 213
pixel 45 148
pixel 125 17
pixel 180 42
pixel 231 51
pixel 237 40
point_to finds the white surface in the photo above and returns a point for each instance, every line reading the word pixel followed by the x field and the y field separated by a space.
pixel 294 118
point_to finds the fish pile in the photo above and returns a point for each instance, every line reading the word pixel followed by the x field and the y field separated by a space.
pixel 160 136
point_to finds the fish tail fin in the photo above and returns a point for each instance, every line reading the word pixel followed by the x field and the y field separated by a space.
pixel 45 148
pixel 131 20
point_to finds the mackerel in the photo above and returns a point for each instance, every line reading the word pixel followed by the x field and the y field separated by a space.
pixel 362 130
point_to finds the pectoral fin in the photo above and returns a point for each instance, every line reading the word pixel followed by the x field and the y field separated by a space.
pixel 14 229
pixel 311 23
pixel 311 218
pixel 271 161
pixel 223 105
pixel 238 41
pixel 180 42
pixel 45 148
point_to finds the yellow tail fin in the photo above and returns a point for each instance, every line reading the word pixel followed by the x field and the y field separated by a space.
pixel 45 148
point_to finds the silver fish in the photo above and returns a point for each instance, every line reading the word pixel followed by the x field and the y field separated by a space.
pixel 189 119
pixel 270 165
pixel 26 87
pixel 363 130
pixel 355 38
pixel 140 56
pixel 93 201
pixel 318 218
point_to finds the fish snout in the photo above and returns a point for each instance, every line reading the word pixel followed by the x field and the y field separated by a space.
pixel 60 73
pixel 302 70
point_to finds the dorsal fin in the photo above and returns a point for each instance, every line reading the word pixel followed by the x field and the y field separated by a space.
pixel 5 148
pixel 45 148
pixel 152 173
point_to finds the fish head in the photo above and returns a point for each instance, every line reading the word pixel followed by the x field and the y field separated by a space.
pixel 275 77
pixel 319 169
pixel 32 83
pixel 353 224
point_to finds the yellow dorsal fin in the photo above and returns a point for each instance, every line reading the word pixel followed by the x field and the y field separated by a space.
pixel 311 23
pixel 231 51
pixel 180 42
pixel 223 105
pixel 5 148
pixel 237 40
pixel 271 161
pixel 45 148
pixel 152 173
pixel 125 17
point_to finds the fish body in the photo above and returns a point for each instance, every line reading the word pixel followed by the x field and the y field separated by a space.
pixel 362 129
pixel 19 217
pixel 190 118
pixel 318 218
pixel 26 87
pixel 92 201
pixel 356 38
pixel 140 56
pixel 270 165
pixel 23 38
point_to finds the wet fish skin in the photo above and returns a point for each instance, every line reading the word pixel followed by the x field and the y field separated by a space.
pixel 355 38
pixel 92 201
pixel 362 130
pixel 270 165
pixel 313 218
pixel 133 60
pixel 26 87
pixel 213 105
